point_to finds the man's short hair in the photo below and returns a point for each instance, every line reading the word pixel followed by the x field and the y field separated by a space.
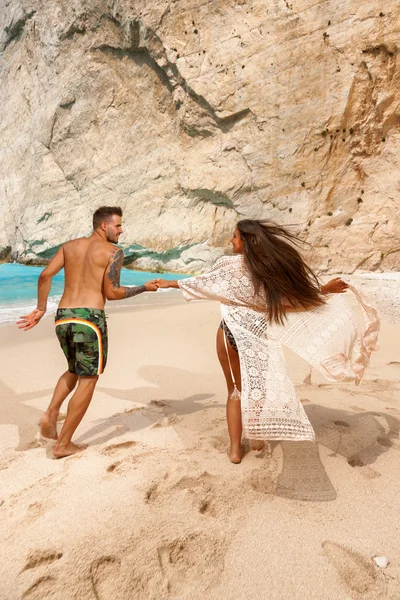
pixel 104 213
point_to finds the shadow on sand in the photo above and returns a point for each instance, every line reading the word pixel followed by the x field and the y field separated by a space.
pixel 359 437
pixel 16 412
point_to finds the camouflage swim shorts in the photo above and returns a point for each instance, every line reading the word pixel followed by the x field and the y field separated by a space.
pixel 82 333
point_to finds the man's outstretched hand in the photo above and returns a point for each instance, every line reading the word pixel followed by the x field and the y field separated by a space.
pixel 152 285
pixel 28 321
pixel 334 286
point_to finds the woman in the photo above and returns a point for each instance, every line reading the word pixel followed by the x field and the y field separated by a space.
pixel 269 298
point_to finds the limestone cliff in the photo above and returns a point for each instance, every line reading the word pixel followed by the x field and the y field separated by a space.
pixel 192 115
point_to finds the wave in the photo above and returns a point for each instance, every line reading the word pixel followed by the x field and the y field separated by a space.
pixel 10 313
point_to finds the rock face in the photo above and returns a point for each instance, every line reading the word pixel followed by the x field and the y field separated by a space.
pixel 193 115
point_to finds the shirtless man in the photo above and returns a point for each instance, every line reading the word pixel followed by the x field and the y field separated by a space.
pixel 92 268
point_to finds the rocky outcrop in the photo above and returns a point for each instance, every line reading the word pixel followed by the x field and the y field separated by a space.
pixel 192 115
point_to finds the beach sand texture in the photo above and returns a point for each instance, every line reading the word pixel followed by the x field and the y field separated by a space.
pixel 154 510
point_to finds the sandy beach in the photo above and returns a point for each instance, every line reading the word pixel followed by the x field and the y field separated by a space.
pixel 154 510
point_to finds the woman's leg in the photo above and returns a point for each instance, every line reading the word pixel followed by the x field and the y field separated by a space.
pixel 233 408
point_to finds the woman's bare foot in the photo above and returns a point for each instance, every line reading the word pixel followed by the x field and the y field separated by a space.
pixel 68 450
pixel 235 456
pixel 48 427
pixel 257 445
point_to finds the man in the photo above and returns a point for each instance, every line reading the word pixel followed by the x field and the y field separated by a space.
pixel 92 268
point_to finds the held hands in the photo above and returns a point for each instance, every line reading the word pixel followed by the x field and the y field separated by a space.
pixel 152 285
pixel 334 286
pixel 163 283
pixel 28 321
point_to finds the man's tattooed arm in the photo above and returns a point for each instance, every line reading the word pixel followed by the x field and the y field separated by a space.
pixel 113 289
pixel 114 268
pixel 133 290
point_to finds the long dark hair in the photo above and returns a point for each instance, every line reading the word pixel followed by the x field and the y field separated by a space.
pixel 277 268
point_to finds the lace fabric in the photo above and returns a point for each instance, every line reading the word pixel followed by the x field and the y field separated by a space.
pixel 327 337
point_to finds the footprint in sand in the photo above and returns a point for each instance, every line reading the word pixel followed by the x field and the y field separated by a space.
pixel 218 442
pixel 35 510
pixel 44 587
pixel 201 490
pixel 261 480
pixel 342 424
pixel 117 467
pixel 355 461
pixel 7 459
pixel 115 451
pixel 115 448
pixel 152 493
pixel 171 419
pixel 370 473
pixel 104 575
pixel 158 403
pixel 206 507
pixel 385 441
pixel 195 558
pixel 357 572
pixel 39 558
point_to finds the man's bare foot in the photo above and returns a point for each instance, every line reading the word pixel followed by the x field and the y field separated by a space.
pixel 48 428
pixel 68 450
pixel 256 445
pixel 235 456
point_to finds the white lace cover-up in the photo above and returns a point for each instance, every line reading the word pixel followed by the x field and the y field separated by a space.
pixel 327 337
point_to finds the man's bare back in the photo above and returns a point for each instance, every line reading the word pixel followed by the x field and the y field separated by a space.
pixel 85 263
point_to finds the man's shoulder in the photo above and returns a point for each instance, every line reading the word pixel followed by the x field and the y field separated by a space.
pixel 113 250
pixel 88 248
pixel 73 242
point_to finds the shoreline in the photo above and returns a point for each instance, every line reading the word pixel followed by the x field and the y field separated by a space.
pixel 382 288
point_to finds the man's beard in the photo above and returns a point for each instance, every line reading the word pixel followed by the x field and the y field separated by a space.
pixel 113 239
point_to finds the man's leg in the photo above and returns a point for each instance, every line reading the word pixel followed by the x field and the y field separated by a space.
pixel 48 422
pixel 77 407
pixel 233 407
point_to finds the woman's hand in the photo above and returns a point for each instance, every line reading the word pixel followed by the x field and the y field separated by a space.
pixel 334 286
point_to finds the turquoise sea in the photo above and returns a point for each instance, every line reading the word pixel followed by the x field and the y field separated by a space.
pixel 18 287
